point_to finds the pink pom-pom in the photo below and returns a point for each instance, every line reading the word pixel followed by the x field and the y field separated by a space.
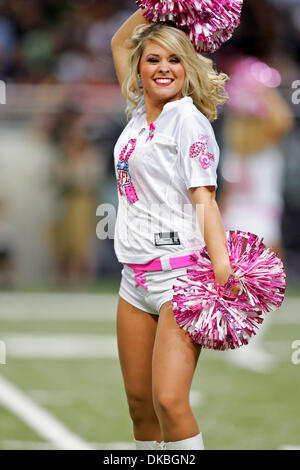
pixel 208 23
pixel 214 318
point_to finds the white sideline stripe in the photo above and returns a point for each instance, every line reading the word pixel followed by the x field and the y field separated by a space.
pixel 56 346
pixel 39 419
pixel 28 445
pixel 31 346
pixel 93 307
pixel 289 447
pixel 90 316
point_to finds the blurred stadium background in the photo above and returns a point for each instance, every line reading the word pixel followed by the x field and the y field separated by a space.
pixel 61 112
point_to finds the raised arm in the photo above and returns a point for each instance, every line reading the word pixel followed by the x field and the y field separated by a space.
pixel 120 50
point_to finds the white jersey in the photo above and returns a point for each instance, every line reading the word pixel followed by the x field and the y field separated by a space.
pixel 155 166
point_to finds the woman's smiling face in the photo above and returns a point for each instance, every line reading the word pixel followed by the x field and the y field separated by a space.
pixel 162 73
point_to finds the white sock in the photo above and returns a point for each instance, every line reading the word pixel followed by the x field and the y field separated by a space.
pixel 192 443
pixel 145 445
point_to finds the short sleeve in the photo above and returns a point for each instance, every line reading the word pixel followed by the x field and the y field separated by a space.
pixel 199 152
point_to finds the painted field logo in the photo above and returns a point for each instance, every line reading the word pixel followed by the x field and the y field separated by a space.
pixel 2 353
pixel 2 92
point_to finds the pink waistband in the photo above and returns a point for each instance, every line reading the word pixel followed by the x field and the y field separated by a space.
pixel 159 264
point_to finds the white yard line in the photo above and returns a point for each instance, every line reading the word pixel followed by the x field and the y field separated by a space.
pixel 59 346
pixel 76 346
pixel 38 419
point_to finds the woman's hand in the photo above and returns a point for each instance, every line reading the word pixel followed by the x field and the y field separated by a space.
pixel 222 278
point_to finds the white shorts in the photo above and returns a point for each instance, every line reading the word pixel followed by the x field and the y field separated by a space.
pixel 159 290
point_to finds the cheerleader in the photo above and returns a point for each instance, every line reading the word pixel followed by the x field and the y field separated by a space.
pixel 165 160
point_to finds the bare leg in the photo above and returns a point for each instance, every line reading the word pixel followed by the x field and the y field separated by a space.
pixel 175 358
pixel 136 331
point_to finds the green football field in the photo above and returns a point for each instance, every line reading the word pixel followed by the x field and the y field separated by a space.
pixel 61 385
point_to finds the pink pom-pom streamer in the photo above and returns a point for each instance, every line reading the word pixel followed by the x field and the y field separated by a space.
pixel 214 318
pixel 208 23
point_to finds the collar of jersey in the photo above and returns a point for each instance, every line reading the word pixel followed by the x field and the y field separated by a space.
pixel 169 105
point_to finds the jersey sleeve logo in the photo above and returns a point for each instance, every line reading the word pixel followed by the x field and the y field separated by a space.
pixel 124 180
pixel 199 149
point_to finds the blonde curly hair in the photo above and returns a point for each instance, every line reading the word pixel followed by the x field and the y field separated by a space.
pixel 205 86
